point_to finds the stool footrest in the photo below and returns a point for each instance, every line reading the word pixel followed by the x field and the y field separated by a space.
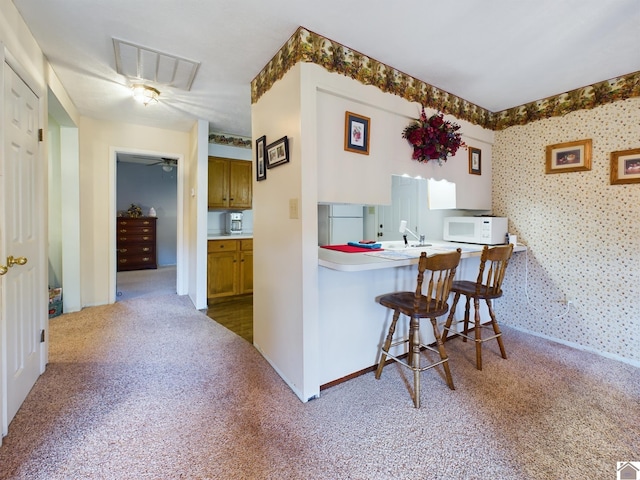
pixel 471 329
pixel 402 362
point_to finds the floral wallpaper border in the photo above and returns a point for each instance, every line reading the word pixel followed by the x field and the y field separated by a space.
pixel 307 46
pixel 231 140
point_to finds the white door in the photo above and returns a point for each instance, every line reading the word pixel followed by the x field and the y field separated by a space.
pixel 344 230
pixel 404 206
pixel 23 294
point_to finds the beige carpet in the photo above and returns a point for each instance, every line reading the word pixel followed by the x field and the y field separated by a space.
pixel 152 389
pixel 145 283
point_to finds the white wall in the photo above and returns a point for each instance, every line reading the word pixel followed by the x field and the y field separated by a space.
pixel 278 290
pixel 582 232
pixel 195 216
pixel 97 195
pixel 308 105
pixel 355 178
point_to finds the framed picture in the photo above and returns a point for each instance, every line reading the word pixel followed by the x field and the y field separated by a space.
pixel 569 157
pixel 278 152
pixel 261 164
pixel 475 161
pixel 625 166
pixel 356 133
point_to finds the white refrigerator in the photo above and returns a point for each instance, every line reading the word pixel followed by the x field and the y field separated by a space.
pixel 340 224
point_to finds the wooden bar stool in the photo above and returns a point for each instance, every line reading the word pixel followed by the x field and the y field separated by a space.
pixel 441 269
pixel 488 286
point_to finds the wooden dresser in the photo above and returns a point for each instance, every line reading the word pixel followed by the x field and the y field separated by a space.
pixel 136 243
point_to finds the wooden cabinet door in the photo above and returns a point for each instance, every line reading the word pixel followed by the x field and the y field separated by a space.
pixel 240 184
pixel 218 182
pixel 246 272
pixel 222 273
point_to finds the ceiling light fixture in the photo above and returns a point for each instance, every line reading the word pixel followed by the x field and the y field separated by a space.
pixel 145 94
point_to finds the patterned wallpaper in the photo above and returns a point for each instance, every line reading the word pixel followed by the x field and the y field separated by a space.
pixel 307 46
pixel 582 232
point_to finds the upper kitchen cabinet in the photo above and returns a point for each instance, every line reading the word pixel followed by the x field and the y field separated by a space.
pixel 229 183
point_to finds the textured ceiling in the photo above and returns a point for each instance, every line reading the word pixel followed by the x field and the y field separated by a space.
pixel 496 54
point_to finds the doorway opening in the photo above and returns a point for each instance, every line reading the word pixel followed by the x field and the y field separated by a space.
pixel 148 216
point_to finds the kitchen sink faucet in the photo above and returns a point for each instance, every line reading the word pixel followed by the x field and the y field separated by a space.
pixel 403 229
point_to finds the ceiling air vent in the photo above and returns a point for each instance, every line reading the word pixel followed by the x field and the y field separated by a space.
pixel 141 63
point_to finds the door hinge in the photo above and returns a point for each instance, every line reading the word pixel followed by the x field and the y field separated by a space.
pixel 42 336
pixel 40 135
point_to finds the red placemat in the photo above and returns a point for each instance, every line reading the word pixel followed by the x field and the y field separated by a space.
pixel 351 249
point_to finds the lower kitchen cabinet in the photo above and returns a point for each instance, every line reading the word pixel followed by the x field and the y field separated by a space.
pixel 229 267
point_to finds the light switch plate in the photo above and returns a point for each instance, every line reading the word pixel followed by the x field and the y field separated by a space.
pixel 293 208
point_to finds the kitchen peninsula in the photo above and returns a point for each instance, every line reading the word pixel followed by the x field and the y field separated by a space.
pixel 351 324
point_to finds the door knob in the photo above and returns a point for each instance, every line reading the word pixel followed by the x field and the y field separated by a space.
pixel 3 270
pixel 11 260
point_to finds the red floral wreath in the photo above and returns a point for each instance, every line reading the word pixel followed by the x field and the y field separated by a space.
pixel 433 138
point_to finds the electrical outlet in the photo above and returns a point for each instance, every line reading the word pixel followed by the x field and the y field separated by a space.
pixel 565 300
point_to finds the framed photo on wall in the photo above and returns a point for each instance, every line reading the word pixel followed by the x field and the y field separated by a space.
pixel 261 162
pixel 475 161
pixel 625 166
pixel 569 157
pixel 278 152
pixel 356 133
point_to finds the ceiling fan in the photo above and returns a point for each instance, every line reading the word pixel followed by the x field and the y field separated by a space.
pixel 165 162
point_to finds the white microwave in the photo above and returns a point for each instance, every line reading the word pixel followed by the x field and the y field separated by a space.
pixel 482 230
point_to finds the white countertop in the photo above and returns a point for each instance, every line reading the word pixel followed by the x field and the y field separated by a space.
pixel 393 257
pixel 227 236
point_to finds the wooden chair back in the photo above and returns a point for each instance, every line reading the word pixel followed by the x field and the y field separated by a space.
pixel 493 265
pixel 441 269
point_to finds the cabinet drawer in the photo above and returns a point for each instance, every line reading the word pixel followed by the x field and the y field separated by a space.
pixel 134 262
pixel 134 222
pixel 246 244
pixel 135 249
pixel 135 238
pixel 221 245
pixel 145 230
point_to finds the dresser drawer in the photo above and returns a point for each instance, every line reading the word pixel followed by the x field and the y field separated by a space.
pixel 135 222
pixel 126 238
pixel 135 262
pixel 136 248
pixel 129 230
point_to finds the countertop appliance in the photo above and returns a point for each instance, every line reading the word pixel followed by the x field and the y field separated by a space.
pixel 234 223
pixel 482 230
pixel 340 224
